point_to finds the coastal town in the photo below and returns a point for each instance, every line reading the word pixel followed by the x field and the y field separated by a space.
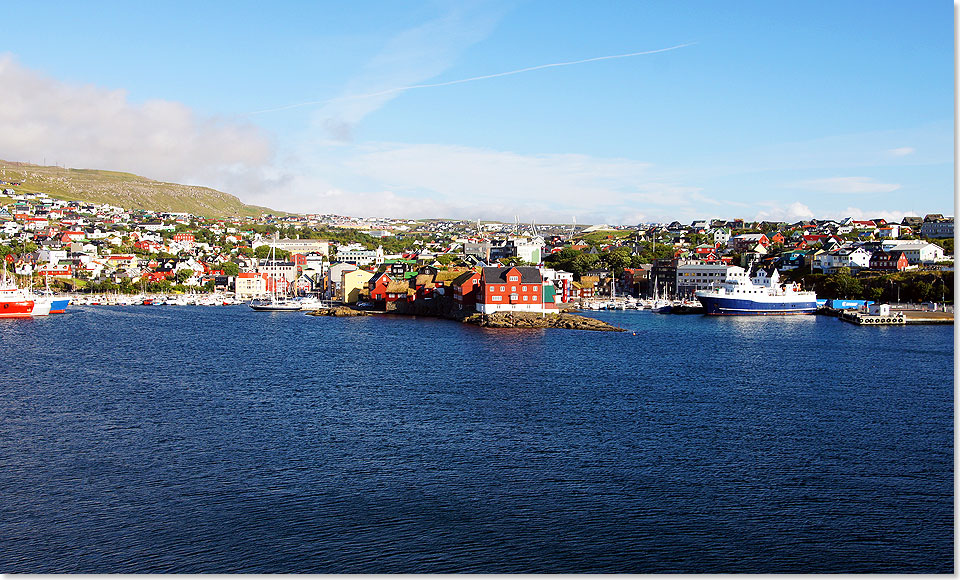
pixel 99 252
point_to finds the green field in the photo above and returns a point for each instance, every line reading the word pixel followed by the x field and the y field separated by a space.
pixel 125 190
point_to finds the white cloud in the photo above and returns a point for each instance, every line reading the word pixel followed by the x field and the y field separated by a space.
pixel 794 212
pixel 92 127
pixel 846 185
pixel 891 215
pixel 424 180
pixel 900 151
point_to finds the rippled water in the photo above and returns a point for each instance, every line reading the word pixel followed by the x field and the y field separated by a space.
pixel 191 439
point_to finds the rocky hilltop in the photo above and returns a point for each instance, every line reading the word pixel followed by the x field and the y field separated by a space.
pixel 124 190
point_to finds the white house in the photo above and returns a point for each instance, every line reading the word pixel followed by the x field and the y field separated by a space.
pixel 917 251
pixel 720 236
pixel 845 257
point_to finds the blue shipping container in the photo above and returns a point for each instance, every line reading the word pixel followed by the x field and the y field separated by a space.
pixel 845 304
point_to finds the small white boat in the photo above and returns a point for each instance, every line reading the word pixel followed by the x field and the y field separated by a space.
pixel 310 303
pixel 275 305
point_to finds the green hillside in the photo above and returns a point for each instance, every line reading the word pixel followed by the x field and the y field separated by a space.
pixel 125 190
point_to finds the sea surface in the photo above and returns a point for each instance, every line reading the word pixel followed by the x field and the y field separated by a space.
pixel 218 439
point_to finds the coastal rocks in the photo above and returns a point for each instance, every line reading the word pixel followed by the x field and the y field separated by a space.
pixel 338 311
pixel 537 320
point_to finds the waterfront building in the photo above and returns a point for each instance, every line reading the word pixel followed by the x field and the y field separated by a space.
pixel 510 289
pixel 664 273
pixel 562 282
pixel 377 286
pixel 334 278
pixel 701 276
pixel 251 285
pixel 464 289
pixel 288 270
pixel 352 284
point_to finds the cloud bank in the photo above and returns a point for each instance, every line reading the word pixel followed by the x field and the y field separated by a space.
pixel 92 127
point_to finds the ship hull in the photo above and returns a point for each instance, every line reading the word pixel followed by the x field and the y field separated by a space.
pixel 16 309
pixel 730 306
pixel 59 305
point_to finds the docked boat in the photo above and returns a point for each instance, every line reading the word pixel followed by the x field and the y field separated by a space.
pixel 761 295
pixel 310 303
pixel 661 306
pixel 275 305
pixel 41 305
pixel 14 302
pixel 276 302
pixel 58 304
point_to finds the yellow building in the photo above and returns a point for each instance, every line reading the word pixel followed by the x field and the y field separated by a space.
pixel 351 283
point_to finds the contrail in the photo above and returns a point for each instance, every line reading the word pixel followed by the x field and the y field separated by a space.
pixel 469 80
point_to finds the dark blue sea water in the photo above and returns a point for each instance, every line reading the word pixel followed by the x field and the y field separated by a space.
pixel 192 439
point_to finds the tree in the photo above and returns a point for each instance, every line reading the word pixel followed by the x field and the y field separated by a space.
pixel 230 268
pixel 583 263
pixel 265 251
pixel 843 285
pixel 183 275
pixel 921 290
pixel 513 261
pixel 617 260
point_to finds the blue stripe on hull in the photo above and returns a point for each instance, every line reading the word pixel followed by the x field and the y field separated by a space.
pixel 739 306
pixel 59 305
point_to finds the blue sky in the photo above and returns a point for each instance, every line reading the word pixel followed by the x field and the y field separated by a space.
pixel 767 110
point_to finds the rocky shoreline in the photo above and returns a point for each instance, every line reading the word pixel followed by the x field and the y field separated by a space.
pixel 538 320
pixel 497 320
pixel 339 311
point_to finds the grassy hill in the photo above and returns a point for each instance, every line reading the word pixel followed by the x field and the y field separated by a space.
pixel 125 190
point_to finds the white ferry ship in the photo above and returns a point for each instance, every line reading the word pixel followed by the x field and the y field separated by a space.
pixel 761 295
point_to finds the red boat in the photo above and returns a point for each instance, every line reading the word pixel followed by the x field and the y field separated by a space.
pixel 14 302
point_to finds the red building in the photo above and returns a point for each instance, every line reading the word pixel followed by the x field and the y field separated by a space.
pixel 513 289
pixel 184 237
pixel 465 290
pixel 889 261
pixel 386 289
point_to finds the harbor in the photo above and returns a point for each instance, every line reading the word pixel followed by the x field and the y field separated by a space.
pixel 246 429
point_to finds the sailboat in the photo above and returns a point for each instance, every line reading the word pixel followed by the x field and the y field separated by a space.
pixel 659 305
pixel 276 303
